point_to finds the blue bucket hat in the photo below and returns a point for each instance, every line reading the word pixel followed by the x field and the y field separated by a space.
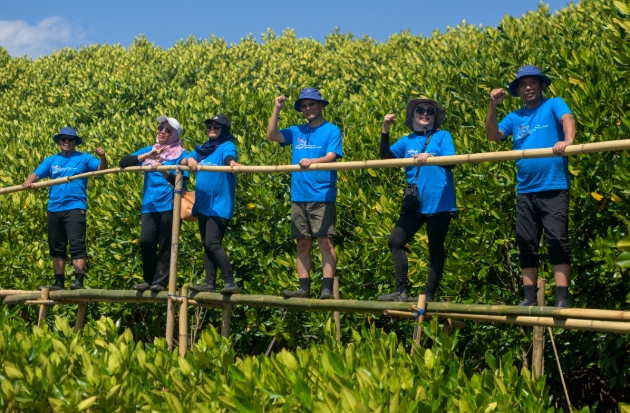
pixel 528 70
pixel 309 93
pixel 68 131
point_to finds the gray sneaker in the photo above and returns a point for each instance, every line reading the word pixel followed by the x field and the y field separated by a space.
pixel 202 288
pixel 299 293
pixel 141 287
pixel 326 294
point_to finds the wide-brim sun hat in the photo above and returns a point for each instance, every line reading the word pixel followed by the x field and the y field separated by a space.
pixel 171 121
pixel 219 118
pixel 528 70
pixel 440 114
pixel 309 93
pixel 68 131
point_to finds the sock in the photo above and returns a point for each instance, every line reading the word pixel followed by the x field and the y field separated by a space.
pixel 530 293
pixel 229 281
pixel 59 280
pixel 561 293
pixel 327 283
pixel 78 277
pixel 305 284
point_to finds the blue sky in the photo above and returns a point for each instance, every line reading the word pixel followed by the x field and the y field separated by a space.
pixel 36 28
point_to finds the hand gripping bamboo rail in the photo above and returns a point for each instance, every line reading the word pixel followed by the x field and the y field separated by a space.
pixel 607 146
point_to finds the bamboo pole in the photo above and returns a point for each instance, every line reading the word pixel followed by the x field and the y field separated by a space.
pixel 172 273
pixel 606 146
pixel 337 314
pixel 539 335
pixel 427 316
pixel 43 308
pixel 78 325
pixel 226 320
pixel 564 386
pixel 6 293
pixel 183 322
pixel 448 323
pixel 52 302
pixel 422 303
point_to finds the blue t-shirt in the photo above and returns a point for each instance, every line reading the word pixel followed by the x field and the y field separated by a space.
pixel 215 191
pixel 435 183
pixel 72 195
pixel 539 128
pixel 313 186
pixel 157 193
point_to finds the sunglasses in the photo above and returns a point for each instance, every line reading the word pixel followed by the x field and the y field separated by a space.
pixel 213 126
pixel 161 128
pixel 307 105
pixel 424 111
pixel 66 139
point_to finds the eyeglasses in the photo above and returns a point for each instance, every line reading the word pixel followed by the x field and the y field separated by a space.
pixel 213 126
pixel 66 139
pixel 161 128
pixel 425 111
pixel 307 105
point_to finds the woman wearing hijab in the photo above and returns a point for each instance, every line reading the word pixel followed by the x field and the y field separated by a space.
pixel 435 190
pixel 157 202
pixel 214 200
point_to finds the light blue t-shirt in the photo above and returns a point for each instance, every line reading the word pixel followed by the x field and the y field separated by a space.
pixel 215 191
pixel 157 193
pixel 435 183
pixel 313 186
pixel 72 195
pixel 539 128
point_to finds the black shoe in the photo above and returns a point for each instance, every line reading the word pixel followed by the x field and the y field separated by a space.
pixel 299 293
pixel 52 287
pixel 206 288
pixel 229 290
pixel 527 303
pixel 76 285
pixel 57 285
pixel 157 288
pixel 326 294
pixel 562 303
pixel 141 287
pixel 408 298
pixel 395 296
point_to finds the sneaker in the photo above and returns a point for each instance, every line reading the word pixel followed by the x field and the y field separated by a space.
pixel 326 294
pixel 409 298
pixel 53 287
pixel 141 287
pixel 156 288
pixel 527 303
pixel 395 296
pixel 232 289
pixel 299 293
pixel 562 303
pixel 206 288
pixel 77 285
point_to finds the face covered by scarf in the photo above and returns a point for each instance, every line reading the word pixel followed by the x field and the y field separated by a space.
pixel 211 145
pixel 170 151
pixel 419 128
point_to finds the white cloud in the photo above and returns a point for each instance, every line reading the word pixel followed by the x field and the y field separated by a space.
pixel 49 34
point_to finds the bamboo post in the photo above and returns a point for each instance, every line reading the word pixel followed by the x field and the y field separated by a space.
pixel 422 303
pixel 183 322
pixel 226 320
pixel 539 335
pixel 564 386
pixel 172 274
pixel 78 325
pixel 448 323
pixel 337 314
pixel 43 308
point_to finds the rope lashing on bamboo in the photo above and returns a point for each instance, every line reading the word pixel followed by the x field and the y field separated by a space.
pixel 585 148
pixel 418 312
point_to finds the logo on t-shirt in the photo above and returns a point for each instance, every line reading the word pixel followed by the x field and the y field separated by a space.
pixel 56 169
pixel 303 144
pixel 524 130
pixel 412 153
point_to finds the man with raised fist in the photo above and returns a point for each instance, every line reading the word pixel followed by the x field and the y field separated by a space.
pixel 67 204
pixel 542 203
pixel 313 194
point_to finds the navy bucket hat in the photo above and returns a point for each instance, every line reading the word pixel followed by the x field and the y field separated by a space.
pixel 309 93
pixel 528 70
pixel 68 131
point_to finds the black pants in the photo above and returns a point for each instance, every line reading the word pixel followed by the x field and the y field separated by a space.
pixel 155 246
pixel 538 211
pixel 212 230
pixel 64 227
pixel 403 232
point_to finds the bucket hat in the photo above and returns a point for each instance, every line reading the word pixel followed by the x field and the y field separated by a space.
pixel 440 114
pixel 68 131
pixel 309 93
pixel 528 70
pixel 171 121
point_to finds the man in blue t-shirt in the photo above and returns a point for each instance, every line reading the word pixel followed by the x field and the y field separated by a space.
pixel 67 204
pixel 313 194
pixel 542 203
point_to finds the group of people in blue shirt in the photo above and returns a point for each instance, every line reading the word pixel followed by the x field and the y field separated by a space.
pixel 541 203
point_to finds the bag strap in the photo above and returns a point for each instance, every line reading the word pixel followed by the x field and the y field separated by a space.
pixel 424 148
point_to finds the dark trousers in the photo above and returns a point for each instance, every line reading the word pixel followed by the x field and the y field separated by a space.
pixel 64 227
pixel 155 246
pixel 406 227
pixel 212 230
pixel 538 211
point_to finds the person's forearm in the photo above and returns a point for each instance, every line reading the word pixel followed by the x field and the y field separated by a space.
pixel 384 151
pixel 129 160
pixel 325 159
pixel 228 159
pixel 568 126
pixel 492 124
pixel 272 126
pixel 104 164
pixel 32 178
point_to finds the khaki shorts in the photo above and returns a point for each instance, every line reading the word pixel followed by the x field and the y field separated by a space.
pixel 313 219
